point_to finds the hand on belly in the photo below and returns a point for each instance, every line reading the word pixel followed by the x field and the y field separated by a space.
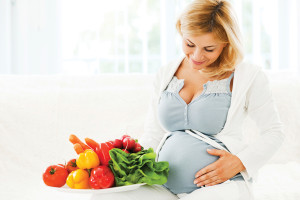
pixel 226 167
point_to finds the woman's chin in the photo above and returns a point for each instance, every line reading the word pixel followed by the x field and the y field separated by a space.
pixel 197 67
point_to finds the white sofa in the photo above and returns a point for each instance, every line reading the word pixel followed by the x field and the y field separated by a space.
pixel 39 112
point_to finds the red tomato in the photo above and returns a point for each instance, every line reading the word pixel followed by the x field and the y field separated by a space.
pixel 128 143
pixel 62 165
pixel 101 177
pixel 71 165
pixel 55 176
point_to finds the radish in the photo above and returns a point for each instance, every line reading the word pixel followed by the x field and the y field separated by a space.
pixel 125 150
pixel 124 136
pixel 118 143
pixel 128 143
pixel 137 147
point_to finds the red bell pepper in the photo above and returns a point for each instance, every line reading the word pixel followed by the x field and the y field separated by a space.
pixel 104 155
pixel 101 177
pixel 102 150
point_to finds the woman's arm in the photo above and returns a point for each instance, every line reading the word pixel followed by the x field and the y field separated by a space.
pixel 153 133
pixel 262 110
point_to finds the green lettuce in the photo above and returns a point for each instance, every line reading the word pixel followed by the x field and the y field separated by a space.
pixel 137 167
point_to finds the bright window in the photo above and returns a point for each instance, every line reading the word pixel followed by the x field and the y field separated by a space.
pixel 114 36
pixel 131 36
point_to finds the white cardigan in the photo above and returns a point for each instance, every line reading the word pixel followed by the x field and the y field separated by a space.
pixel 251 95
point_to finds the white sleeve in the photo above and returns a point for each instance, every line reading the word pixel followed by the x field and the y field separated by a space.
pixel 153 132
pixel 262 110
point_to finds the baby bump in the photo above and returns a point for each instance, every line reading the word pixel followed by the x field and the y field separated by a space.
pixel 186 155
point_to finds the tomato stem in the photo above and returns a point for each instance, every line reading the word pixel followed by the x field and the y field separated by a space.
pixel 74 163
pixel 52 171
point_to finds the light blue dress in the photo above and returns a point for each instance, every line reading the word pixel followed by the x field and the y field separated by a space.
pixel 207 113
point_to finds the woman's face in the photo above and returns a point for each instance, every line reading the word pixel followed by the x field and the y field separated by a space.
pixel 202 50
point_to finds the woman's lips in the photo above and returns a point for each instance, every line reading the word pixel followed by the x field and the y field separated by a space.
pixel 197 63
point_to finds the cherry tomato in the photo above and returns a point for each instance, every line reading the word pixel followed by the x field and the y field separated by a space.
pixel 55 176
pixel 71 165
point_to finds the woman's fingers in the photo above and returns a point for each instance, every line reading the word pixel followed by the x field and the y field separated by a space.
pixel 206 170
pixel 208 181
pixel 206 178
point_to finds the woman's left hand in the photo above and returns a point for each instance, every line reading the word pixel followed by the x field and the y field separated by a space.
pixel 227 166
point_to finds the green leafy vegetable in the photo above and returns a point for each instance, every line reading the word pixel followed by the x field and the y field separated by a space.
pixel 137 167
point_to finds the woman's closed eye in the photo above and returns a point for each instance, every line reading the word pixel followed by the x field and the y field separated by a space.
pixel 190 45
pixel 208 50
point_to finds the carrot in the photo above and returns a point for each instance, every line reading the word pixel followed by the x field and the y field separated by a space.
pixel 74 139
pixel 78 148
pixel 92 143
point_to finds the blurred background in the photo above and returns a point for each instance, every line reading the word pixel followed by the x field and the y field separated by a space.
pixel 131 36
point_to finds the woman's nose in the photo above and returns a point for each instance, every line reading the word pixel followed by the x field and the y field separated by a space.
pixel 198 55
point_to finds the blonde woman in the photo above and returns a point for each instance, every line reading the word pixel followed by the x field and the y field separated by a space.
pixel 198 107
pixel 199 104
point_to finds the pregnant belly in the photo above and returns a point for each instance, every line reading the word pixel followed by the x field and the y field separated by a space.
pixel 186 156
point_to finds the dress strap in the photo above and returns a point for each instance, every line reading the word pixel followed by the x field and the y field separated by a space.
pixel 228 82
pixel 204 138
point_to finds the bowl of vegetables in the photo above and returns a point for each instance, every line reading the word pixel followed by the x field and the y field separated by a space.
pixel 112 166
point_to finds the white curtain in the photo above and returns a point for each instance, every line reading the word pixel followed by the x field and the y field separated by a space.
pixel 5 36
pixel 29 37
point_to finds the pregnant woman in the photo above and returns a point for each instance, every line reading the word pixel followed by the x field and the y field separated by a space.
pixel 199 104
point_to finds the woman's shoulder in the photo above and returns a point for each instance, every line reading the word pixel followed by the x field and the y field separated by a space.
pixel 249 76
pixel 171 65
pixel 254 77
pixel 169 69
pixel 165 73
pixel 247 67
pixel 250 71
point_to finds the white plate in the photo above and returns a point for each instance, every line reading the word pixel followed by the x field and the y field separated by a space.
pixel 66 188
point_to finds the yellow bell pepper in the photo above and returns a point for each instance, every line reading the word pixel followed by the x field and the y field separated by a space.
pixel 88 160
pixel 78 179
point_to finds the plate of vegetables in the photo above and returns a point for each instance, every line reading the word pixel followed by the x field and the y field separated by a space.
pixel 113 166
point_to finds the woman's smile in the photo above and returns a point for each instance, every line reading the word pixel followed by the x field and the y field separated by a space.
pixel 198 63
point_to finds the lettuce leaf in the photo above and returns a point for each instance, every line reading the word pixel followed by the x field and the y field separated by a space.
pixel 137 167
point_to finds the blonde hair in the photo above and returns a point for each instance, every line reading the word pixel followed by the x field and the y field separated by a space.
pixel 217 17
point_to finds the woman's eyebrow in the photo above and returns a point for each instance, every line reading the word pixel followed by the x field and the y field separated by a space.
pixel 189 41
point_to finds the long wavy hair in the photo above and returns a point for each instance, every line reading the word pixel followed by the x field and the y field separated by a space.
pixel 217 17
